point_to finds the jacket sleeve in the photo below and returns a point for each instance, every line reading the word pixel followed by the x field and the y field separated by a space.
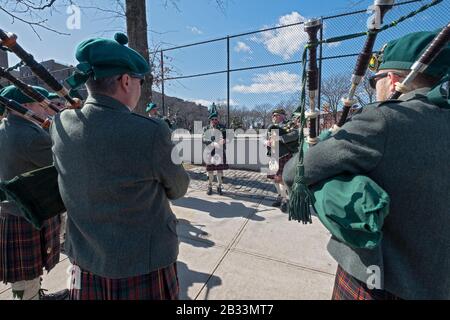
pixel 169 170
pixel 357 149
pixel 39 150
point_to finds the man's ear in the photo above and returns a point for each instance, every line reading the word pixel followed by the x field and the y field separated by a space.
pixel 393 79
pixel 125 82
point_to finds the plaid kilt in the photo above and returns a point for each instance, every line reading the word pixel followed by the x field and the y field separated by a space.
pixel 218 167
pixel 281 163
pixel 24 250
pixel 161 284
pixel 347 287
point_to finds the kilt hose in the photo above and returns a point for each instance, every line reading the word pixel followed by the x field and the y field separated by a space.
pixel 24 250
pixel 161 284
pixel 281 163
pixel 346 287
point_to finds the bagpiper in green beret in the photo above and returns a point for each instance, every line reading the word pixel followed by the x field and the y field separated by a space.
pixel 151 106
pixel 12 93
pixel 402 53
pixel 101 58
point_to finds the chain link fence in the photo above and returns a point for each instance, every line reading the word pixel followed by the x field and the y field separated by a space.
pixel 248 75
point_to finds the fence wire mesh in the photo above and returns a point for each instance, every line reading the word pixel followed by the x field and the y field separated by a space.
pixel 248 75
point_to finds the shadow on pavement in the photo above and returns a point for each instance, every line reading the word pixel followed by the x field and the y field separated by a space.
pixel 219 209
pixel 193 234
pixel 188 277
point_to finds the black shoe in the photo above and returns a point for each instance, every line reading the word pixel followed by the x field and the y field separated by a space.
pixel 59 295
pixel 209 192
pixel 219 190
pixel 277 203
pixel 284 206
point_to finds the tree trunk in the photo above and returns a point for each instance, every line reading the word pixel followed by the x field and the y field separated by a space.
pixel 137 34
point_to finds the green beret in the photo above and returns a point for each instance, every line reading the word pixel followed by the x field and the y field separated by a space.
pixel 12 93
pixel 52 96
pixel 213 113
pixel 151 106
pixel 101 58
pixel 279 111
pixel 403 52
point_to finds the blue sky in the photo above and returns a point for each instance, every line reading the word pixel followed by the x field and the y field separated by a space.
pixel 199 20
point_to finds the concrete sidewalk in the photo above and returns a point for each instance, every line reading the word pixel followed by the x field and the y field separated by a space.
pixel 237 246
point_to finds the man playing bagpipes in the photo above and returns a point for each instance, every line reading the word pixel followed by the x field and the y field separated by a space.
pixel 24 250
pixel 402 145
pixel 153 112
pixel 286 141
pixel 116 177
pixel 216 160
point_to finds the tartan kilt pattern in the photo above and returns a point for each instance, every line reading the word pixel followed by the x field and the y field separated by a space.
pixel 24 250
pixel 218 167
pixel 281 163
pixel 347 287
pixel 161 284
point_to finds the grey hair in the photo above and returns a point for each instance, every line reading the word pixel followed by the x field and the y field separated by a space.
pixel 106 85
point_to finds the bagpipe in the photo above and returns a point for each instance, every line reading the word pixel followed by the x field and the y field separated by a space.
pixel 351 207
pixel 278 132
pixel 9 40
pixel 36 193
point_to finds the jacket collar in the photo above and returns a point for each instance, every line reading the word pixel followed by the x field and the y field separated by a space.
pixel 106 102
pixel 418 93
pixel 13 118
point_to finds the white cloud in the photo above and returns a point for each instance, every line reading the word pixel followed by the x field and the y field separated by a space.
pixel 201 102
pixel 271 82
pixel 285 42
pixel 207 103
pixel 242 47
pixel 194 30
pixel 334 44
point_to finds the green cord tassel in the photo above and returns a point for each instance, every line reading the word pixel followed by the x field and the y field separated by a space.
pixel 301 198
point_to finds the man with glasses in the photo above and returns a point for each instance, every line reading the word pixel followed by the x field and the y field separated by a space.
pixel 116 176
pixel 403 145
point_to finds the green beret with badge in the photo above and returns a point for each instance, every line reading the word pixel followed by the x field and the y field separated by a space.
pixel 101 58
pixel 402 53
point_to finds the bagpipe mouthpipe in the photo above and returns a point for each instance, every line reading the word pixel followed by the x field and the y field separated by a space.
pixel 380 8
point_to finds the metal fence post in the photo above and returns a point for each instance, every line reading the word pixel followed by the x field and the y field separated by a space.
pixel 228 81
pixel 319 101
pixel 162 83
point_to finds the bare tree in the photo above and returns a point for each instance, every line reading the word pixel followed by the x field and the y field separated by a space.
pixel 136 16
pixel 264 113
pixel 365 94
pixel 334 88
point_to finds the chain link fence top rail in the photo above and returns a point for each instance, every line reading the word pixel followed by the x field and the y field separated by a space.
pixel 250 74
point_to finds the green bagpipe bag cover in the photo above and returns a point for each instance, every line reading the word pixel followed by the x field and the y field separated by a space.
pixel 36 194
pixel 352 208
